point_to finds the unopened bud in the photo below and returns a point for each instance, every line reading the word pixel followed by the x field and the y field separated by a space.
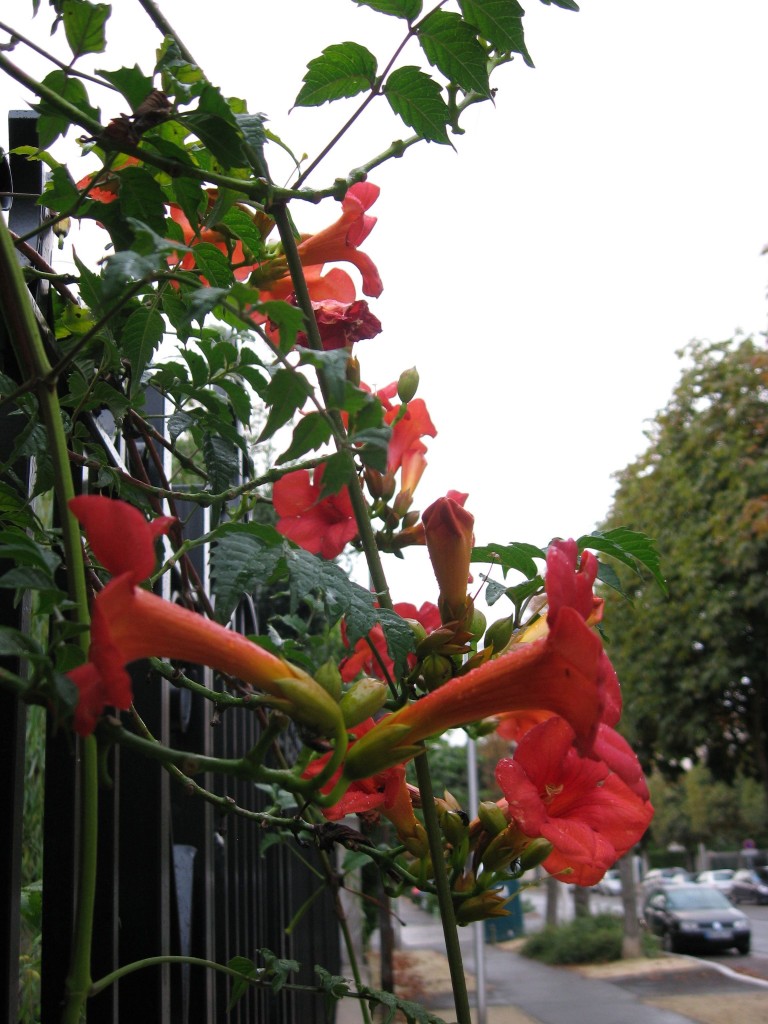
pixel 499 633
pixel 353 371
pixel 535 853
pixel 492 817
pixel 362 700
pixel 436 669
pixel 455 827
pixel 478 908
pixel 476 625
pixel 310 704
pixel 419 633
pixel 408 384
pixel 329 677
pixel 410 520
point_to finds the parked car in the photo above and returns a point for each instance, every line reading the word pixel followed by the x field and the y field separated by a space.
pixel 610 883
pixel 665 876
pixel 720 878
pixel 750 885
pixel 696 917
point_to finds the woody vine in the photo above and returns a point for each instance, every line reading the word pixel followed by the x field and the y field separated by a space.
pixel 205 250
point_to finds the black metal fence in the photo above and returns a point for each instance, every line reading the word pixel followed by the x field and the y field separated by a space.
pixel 176 876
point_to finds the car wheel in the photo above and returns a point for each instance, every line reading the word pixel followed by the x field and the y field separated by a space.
pixel 743 946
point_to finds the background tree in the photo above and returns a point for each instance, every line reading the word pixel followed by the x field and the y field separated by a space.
pixel 693 666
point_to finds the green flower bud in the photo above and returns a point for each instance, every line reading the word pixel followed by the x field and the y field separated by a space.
pixel 476 625
pixel 491 817
pixel 436 670
pixel 499 633
pixel 408 384
pixel 329 677
pixel 363 699
pixel 310 704
pixel 535 853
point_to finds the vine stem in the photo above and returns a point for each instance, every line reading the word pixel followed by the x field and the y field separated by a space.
pixel 381 587
pixel 33 361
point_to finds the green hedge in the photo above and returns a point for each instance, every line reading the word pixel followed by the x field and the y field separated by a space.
pixel 585 940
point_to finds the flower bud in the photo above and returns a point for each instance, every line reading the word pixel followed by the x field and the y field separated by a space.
pixel 478 908
pixel 329 677
pixel 362 700
pixel 353 371
pixel 310 704
pixel 408 384
pixel 535 853
pixel 499 633
pixel 410 520
pixel 435 670
pixel 476 625
pixel 492 817
pixel 449 533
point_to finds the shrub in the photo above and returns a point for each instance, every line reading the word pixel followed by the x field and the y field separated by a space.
pixel 584 940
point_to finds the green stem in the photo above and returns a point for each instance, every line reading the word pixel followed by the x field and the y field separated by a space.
pixel 194 961
pixel 445 900
pixel 33 361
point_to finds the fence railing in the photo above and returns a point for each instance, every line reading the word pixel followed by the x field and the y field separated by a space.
pixel 177 876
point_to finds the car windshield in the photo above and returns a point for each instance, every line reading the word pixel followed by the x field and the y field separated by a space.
pixel 696 899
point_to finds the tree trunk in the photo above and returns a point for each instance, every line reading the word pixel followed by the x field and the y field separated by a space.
pixel 553 894
pixel 631 945
pixel 580 901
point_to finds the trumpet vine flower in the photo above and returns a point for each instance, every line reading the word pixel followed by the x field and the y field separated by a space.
pixel 565 672
pixel 320 525
pixel 130 623
pixel 449 531
pixel 588 813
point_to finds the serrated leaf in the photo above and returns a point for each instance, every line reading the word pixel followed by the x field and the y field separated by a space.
pixel 418 100
pixel 409 9
pixel 310 433
pixel 337 473
pixel 630 547
pixel 288 319
pixel 500 22
pixel 143 331
pixel 242 226
pixel 374 450
pixel 222 461
pixel 131 83
pixel 51 124
pixel 213 265
pixel 243 557
pixel 84 26
pixel 14 644
pixel 451 45
pixel 201 301
pixel 400 639
pixel 124 267
pixel 60 190
pixel 278 969
pixel 252 128
pixel 191 197
pixel 343 69
pixel 517 556
pixel 178 423
pixel 286 394
pixel 249 971
pixel 333 365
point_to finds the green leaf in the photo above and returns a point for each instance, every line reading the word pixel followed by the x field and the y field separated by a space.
pixel 249 971
pixel 203 300
pixel 628 546
pixel 375 446
pixel 417 99
pixel 125 267
pixel 343 69
pixel 337 473
pixel 500 22
pixel 409 9
pixel 242 226
pixel 451 45
pixel 178 423
pixel 510 556
pixel 310 433
pixel 213 265
pixel 214 124
pixel 84 26
pixel 252 128
pixel 60 191
pixel 278 969
pixel 400 639
pixel 288 319
pixel 141 335
pixel 333 366
pixel 243 558
pixel 222 461
pixel 131 82
pixel 51 124
pixel 285 395
pixel 567 5
pixel 191 197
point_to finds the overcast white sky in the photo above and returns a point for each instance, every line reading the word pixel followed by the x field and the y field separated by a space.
pixel 612 206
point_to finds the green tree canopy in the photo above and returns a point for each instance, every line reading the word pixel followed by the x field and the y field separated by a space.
pixel 693 666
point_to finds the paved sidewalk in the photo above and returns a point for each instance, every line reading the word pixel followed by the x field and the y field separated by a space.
pixel 671 990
